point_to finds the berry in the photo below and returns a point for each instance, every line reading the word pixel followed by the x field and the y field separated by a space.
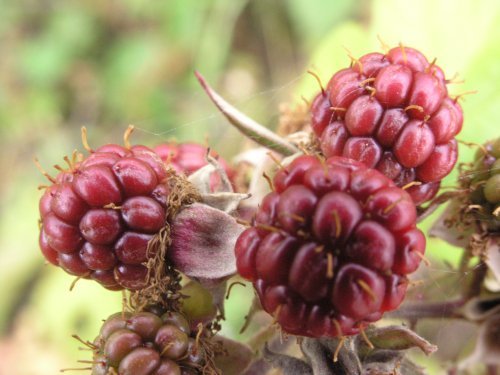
pixel 99 216
pixel 393 113
pixel 188 158
pixel 329 251
pixel 147 343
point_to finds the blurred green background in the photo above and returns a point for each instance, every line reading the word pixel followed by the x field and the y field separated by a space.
pixel 107 64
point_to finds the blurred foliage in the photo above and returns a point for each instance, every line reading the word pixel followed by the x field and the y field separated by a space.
pixel 105 64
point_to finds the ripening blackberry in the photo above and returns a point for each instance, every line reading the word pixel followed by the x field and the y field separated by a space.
pixel 330 248
pixel 187 158
pixel 145 343
pixel 100 214
pixel 392 112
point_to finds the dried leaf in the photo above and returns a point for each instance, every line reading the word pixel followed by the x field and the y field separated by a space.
pixel 394 338
pixel 203 241
pixel 246 125
pixel 236 357
pixel 288 365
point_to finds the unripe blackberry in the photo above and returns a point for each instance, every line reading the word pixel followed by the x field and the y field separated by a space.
pixel 145 343
pixel 99 216
pixel 481 180
pixel 393 113
pixel 329 249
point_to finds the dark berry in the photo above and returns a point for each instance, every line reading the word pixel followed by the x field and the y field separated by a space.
pixel 391 112
pixel 330 249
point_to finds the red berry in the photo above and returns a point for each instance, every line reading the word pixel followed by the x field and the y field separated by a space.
pixel 391 112
pixel 330 249
pixel 189 157
pixel 99 216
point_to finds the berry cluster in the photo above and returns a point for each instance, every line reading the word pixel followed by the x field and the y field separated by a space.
pixel 149 344
pixel 393 113
pixel 330 248
pixel 98 216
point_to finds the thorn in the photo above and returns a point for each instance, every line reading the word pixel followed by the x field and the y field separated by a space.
pixel 338 224
pixel 454 79
pixel 391 206
pixel 383 44
pixel 315 75
pixel 337 350
pixel 293 216
pixel 43 171
pixel 368 80
pixel 461 96
pixel 87 343
pixel 231 287
pixel 267 227
pixel 372 90
pixel 414 106
pixel 426 261
pixel 127 135
pixel 367 289
pixel 59 168
pixel 410 184
pixel 112 206
pixel 70 165
pixel 276 314
pixel 85 142
pixel 337 327
pixel 319 248
pixel 269 181
pixel 433 62
pixel 365 338
pixel 403 52
pixel 329 266
pixel 78 278
pixel 308 104
pixel 338 109
pixel 243 222
pixel 277 161
pixel 354 60
pixel 198 335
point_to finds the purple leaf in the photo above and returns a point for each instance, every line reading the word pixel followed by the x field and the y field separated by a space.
pixel 203 241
